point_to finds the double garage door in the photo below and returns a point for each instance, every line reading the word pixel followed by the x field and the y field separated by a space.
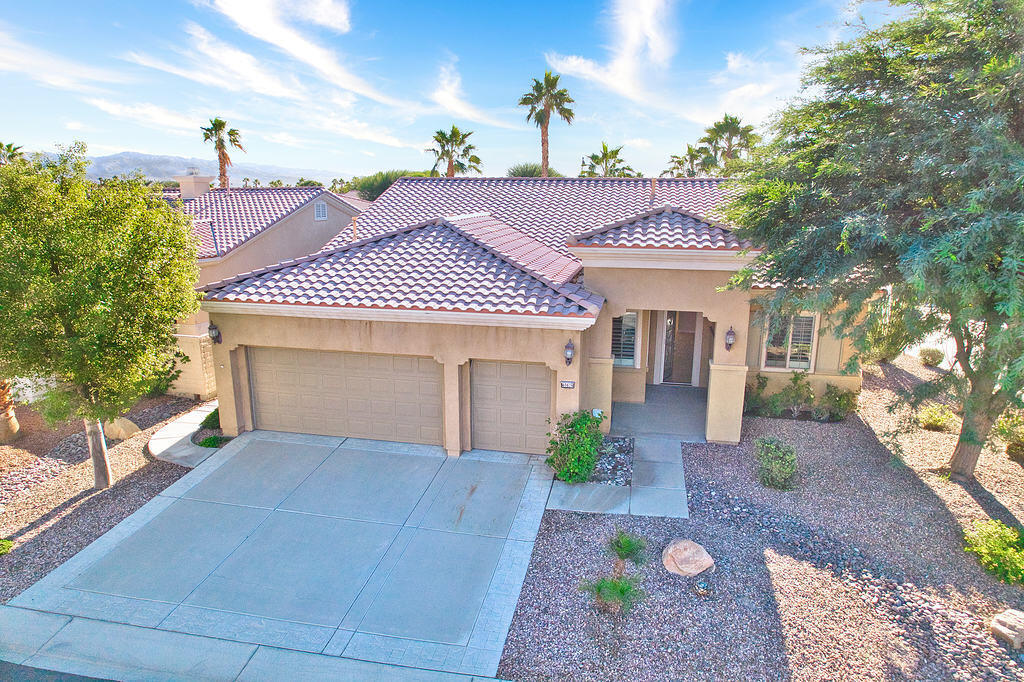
pixel 396 397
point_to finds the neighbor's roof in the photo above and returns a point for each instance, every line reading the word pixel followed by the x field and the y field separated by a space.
pixel 666 227
pixel 462 264
pixel 552 210
pixel 225 219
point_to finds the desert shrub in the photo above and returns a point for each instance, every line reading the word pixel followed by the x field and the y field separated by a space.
pixel 776 463
pixel 628 547
pixel 168 374
pixel 574 446
pixel 212 420
pixel 756 402
pixel 795 397
pixel 887 334
pixel 999 548
pixel 835 404
pixel 6 546
pixel 936 418
pixel 931 357
pixel 214 441
pixel 1010 428
pixel 615 595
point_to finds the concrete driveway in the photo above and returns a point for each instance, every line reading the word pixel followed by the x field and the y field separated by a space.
pixel 280 544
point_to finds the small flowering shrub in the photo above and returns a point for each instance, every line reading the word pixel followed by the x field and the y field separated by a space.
pixel 776 463
pixel 574 446
pixel 936 418
pixel 931 357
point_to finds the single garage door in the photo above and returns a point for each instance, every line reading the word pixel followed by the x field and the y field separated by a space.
pixel 362 395
pixel 510 405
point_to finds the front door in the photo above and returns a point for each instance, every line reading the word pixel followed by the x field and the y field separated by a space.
pixel 679 346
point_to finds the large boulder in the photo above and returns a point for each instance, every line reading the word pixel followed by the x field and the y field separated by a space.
pixel 686 558
pixel 120 429
pixel 1009 626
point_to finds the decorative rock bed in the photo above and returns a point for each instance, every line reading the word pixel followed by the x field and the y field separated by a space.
pixel 615 464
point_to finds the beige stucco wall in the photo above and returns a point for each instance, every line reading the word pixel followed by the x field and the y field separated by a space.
pixel 451 345
pixel 197 378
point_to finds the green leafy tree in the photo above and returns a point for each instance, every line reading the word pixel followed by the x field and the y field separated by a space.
pixel 303 182
pixel 696 161
pixel 10 152
pixel 453 149
pixel 901 166
pixel 544 99
pixel 93 279
pixel 727 140
pixel 531 170
pixel 222 138
pixel 276 183
pixel 606 163
pixel 369 187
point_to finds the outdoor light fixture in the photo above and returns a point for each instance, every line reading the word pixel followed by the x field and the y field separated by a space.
pixel 570 352
pixel 730 338
pixel 215 334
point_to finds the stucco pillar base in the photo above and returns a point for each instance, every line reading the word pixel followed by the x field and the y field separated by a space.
pixel 598 393
pixel 726 384
pixel 452 408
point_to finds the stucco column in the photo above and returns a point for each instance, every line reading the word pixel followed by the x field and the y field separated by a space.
pixel 598 369
pixel 727 380
pixel 452 408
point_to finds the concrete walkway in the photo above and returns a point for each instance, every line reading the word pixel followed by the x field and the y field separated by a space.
pixel 669 411
pixel 298 556
pixel 173 443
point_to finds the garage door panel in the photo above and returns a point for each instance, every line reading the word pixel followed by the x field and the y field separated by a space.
pixel 510 403
pixel 347 394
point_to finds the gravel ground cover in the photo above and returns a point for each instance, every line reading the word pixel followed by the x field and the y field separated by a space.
pixel 53 518
pixel 859 573
pixel 615 465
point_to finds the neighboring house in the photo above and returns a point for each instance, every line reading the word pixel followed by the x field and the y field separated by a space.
pixel 467 312
pixel 242 229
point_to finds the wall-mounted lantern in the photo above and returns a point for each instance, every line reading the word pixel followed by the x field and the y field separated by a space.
pixel 570 352
pixel 730 338
pixel 214 332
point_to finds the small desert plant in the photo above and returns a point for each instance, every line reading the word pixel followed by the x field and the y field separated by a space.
pixel 835 404
pixel 1010 427
pixel 936 418
pixel 796 396
pixel 776 463
pixel 575 445
pixel 627 548
pixel 755 402
pixel 931 357
pixel 214 441
pixel 212 420
pixel 6 546
pixel 614 595
pixel 168 373
pixel 1000 549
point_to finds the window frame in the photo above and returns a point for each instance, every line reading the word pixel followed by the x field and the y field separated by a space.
pixel 317 206
pixel 637 342
pixel 815 335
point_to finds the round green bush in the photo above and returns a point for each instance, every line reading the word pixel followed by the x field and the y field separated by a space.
pixel 1015 451
pixel 931 357
pixel 936 418
pixel 776 463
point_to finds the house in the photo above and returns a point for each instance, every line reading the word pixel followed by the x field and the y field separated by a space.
pixel 241 229
pixel 467 312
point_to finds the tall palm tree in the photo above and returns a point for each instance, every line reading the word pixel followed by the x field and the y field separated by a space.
pixel 454 149
pixel 545 98
pixel 9 152
pixel 606 164
pixel 728 138
pixel 696 161
pixel 222 138
pixel 8 420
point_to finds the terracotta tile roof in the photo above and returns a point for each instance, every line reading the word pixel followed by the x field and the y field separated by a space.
pixel 440 264
pixel 225 219
pixel 666 227
pixel 518 247
pixel 550 210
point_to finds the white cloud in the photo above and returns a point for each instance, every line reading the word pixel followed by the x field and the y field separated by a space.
pixel 149 115
pixel 212 62
pixel 642 40
pixel 449 96
pixel 287 139
pixel 50 69
pixel 74 125
pixel 345 125
pixel 267 20
pixel 639 143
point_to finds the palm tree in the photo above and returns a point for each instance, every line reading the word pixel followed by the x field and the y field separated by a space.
pixel 222 138
pixel 696 161
pixel 9 152
pixel 453 148
pixel 728 138
pixel 8 420
pixel 606 164
pixel 545 98
pixel 255 182
pixel 245 182
pixel 530 169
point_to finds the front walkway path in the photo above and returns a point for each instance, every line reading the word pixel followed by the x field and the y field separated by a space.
pixel 304 556
pixel 173 443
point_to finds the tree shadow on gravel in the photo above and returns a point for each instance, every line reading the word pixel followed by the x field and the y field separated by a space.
pixel 904 381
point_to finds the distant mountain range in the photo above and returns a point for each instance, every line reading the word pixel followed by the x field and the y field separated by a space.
pixel 166 167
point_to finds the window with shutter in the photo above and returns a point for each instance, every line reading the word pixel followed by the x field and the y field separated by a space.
pixel 320 210
pixel 789 342
pixel 624 340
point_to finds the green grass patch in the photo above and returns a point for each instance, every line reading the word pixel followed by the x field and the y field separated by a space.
pixel 999 548
pixel 214 441
pixel 212 420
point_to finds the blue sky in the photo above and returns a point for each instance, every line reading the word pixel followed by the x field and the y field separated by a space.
pixel 353 86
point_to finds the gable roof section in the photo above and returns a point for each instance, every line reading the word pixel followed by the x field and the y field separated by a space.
pixel 223 219
pixel 551 210
pixel 666 227
pixel 436 265
pixel 518 247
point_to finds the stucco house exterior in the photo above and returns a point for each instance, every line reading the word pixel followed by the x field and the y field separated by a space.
pixel 467 312
pixel 238 230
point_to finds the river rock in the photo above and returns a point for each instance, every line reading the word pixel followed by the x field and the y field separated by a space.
pixel 120 429
pixel 686 558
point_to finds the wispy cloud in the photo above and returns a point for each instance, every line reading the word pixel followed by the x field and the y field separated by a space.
pixel 211 61
pixel 449 96
pixel 638 143
pixel 149 115
pixel 642 39
pixel 270 21
pixel 284 138
pixel 51 69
